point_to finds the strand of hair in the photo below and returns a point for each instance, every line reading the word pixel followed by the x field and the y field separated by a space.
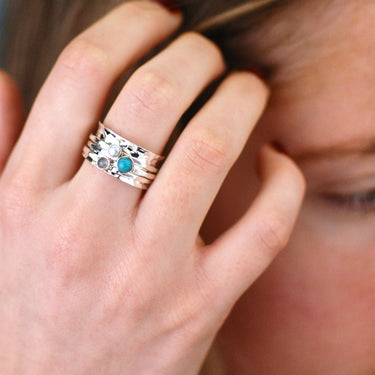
pixel 231 15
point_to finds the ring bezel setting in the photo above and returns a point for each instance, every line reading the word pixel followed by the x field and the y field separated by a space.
pixel 103 163
pixel 121 158
pixel 115 151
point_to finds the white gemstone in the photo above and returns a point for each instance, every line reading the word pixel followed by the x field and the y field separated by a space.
pixel 114 151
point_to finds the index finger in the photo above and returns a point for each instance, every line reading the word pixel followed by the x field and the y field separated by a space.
pixel 72 99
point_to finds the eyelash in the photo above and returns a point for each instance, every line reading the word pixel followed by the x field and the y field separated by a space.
pixel 353 202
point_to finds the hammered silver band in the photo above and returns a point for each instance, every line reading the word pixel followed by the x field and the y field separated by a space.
pixel 121 158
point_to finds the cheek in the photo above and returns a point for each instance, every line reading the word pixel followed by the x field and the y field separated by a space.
pixel 312 309
pixel 330 268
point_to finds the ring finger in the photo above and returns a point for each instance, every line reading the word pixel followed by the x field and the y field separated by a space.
pixel 152 101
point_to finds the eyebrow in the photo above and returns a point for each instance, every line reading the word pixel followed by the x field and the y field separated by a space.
pixel 365 147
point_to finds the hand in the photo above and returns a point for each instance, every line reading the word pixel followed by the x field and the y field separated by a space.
pixel 98 278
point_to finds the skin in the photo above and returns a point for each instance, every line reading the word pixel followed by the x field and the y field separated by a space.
pixel 313 310
pixel 98 277
pixel 310 312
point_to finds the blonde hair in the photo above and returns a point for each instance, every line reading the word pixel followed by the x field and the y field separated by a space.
pixel 231 15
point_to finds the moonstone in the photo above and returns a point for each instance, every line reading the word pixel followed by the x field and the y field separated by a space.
pixel 124 165
pixel 103 163
pixel 114 151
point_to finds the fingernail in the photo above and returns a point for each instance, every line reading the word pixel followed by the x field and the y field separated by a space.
pixel 172 5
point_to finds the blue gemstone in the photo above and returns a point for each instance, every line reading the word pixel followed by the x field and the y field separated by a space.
pixel 124 165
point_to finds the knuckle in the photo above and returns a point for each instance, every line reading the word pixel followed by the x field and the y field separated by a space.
pixel 82 57
pixel 272 233
pixel 150 91
pixel 203 45
pixel 208 151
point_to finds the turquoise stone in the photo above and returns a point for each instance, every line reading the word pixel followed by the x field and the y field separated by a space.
pixel 124 165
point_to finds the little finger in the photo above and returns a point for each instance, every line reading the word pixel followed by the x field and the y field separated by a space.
pixel 195 169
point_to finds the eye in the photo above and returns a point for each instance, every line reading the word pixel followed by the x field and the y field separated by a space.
pixel 354 202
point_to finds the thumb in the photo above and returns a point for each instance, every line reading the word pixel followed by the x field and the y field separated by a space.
pixel 12 116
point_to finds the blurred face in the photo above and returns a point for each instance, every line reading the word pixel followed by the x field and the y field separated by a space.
pixel 313 311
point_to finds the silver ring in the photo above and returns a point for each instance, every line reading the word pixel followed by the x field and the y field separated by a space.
pixel 121 158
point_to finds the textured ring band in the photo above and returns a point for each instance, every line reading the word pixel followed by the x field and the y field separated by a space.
pixel 121 158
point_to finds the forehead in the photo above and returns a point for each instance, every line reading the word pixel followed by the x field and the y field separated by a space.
pixel 322 54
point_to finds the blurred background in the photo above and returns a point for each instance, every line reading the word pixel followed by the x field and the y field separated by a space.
pixel 1 31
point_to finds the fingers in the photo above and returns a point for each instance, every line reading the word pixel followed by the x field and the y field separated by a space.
pixel 12 115
pixel 202 157
pixel 236 259
pixel 153 100
pixel 74 95
pixel 156 96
